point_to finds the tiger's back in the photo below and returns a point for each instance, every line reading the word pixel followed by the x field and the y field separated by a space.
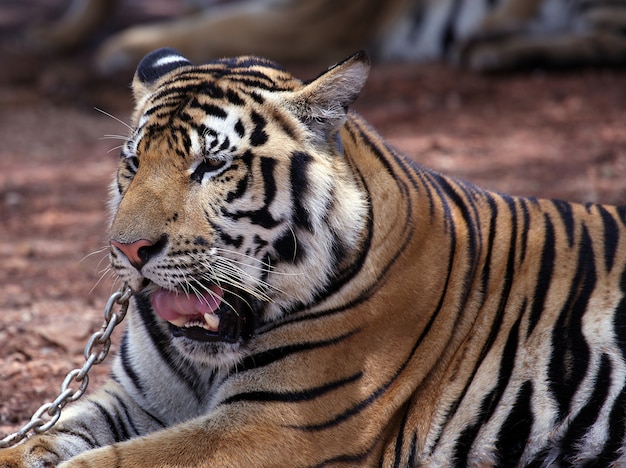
pixel 306 296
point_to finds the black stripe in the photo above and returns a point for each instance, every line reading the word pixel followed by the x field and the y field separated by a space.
pixel 492 216
pixel 245 62
pixel 256 97
pixel 355 409
pixel 299 183
pixel 409 168
pixel 127 365
pixel 227 239
pixel 464 201
pixel 524 228
pixel 209 109
pixel 198 77
pixel 611 237
pixel 242 184
pixel 234 98
pixel 288 249
pixel 492 399
pixel 545 275
pixel 85 433
pixel 413 451
pixel 210 89
pixel 567 216
pixel 513 435
pixel 255 84
pixel 382 154
pixel 589 413
pixel 261 217
pixel 240 129
pixel 570 355
pixel 118 436
pixel 120 410
pixel 128 417
pixel 258 136
pixel 397 460
pixel 179 138
pixel 260 243
pixel 293 396
pixel 270 356
pixel 432 183
pixel 429 192
pixel 269 181
pixel 338 248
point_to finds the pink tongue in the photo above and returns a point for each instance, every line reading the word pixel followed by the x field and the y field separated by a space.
pixel 172 305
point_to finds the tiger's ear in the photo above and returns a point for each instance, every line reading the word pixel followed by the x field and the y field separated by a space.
pixel 323 102
pixel 152 67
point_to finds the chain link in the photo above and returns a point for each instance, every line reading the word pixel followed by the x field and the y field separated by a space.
pixel 95 352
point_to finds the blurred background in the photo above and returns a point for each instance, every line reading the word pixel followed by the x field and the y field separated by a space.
pixel 532 130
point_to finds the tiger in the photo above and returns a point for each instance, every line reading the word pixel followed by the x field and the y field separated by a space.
pixel 304 295
pixel 482 35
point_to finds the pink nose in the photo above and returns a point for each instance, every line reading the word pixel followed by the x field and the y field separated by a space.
pixel 138 252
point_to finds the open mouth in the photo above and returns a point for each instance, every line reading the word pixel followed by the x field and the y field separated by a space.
pixel 213 316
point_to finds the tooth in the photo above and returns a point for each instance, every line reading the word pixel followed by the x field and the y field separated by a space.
pixel 212 321
pixel 179 322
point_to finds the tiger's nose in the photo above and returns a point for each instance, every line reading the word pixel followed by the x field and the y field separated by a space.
pixel 138 252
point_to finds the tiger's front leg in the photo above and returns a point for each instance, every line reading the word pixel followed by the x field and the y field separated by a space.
pixel 231 436
pixel 99 421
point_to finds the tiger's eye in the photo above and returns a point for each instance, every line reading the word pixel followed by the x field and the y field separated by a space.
pixel 207 165
pixel 214 163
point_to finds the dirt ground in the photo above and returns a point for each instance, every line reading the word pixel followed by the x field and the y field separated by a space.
pixel 531 133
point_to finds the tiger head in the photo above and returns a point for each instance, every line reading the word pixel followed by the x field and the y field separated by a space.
pixel 233 204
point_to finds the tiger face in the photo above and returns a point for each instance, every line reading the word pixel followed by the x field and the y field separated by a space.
pixel 233 203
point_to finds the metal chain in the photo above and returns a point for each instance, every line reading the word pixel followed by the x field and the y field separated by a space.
pixel 95 352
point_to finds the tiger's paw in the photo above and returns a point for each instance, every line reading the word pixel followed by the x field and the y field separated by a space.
pixel 34 453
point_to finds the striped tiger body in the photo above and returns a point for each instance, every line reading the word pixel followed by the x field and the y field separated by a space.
pixel 305 296
pixel 486 35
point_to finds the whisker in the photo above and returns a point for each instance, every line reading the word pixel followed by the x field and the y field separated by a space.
pixel 227 265
pixel 185 283
pixel 266 266
pixel 231 280
pixel 115 148
pixel 295 243
pixel 114 118
pixel 233 276
pixel 241 254
pixel 107 272
pixel 243 299
pixel 212 294
pixel 104 258
pixel 114 137
pixel 91 254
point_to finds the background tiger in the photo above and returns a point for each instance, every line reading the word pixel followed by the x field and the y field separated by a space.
pixel 480 34
pixel 307 297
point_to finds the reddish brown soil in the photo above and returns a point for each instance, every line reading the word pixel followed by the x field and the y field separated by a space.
pixel 532 133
